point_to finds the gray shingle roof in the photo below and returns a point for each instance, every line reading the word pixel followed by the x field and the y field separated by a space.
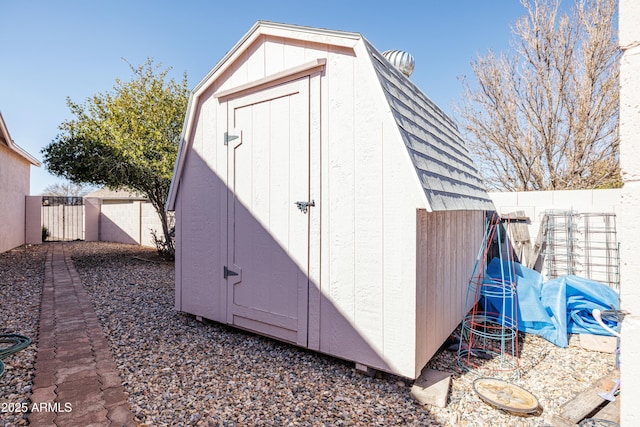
pixel 449 178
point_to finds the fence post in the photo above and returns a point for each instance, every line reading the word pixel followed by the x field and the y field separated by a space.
pixel 92 212
pixel 33 220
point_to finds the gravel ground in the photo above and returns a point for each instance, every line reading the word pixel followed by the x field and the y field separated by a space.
pixel 21 279
pixel 181 372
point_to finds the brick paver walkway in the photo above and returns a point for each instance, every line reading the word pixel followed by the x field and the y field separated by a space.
pixel 76 382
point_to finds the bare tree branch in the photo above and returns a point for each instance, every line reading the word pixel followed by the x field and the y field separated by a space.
pixel 545 116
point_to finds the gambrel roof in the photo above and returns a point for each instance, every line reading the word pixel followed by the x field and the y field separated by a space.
pixel 447 174
pixel 442 162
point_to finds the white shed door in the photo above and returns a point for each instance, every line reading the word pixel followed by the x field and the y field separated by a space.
pixel 268 235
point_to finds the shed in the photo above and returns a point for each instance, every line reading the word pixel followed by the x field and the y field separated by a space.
pixel 322 199
pixel 15 169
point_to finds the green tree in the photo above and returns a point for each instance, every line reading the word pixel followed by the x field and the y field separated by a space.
pixel 127 138
pixel 545 115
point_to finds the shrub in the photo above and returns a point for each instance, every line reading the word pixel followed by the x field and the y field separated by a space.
pixel 166 249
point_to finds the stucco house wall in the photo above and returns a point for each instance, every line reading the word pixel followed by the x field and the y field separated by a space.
pixel 15 166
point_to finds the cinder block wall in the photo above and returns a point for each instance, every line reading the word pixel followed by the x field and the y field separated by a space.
pixel 108 222
pixel 149 221
pixel 534 203
pixel 129 223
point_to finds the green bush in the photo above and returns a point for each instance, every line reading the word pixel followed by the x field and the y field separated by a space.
pixel 166 249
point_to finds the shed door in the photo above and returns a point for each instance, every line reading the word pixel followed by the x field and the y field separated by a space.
pixel 268 233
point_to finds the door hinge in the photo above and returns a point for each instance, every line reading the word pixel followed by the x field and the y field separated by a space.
pixel 228 272
pixel 228 138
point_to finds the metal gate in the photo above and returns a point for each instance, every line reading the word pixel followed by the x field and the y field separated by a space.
pixel 62 218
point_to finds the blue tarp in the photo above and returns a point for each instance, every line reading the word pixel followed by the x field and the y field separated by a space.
pixel 555 308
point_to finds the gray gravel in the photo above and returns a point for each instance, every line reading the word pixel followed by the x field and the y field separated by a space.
pixel 181 372
pixel 21 279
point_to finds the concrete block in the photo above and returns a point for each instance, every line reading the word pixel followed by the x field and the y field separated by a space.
pixel 577 200
pixel 628 18
pixel 629 238
pixel 600 343
pixel 367 370
pixel 607 200
pixel 629 112
pixel 536 198
pixel 630 370
pixel 507 198
pixel 432 388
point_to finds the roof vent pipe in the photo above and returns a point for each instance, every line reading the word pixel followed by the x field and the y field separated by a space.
pixel 403 61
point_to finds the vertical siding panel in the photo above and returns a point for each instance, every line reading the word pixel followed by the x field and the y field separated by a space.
pixel 478 232
pixel 279 155
pixel 461 277
pixel 458 273
pixel 422 285
pixel 475 228
pixel 399 261
pixel 432 283
pixel 259 204
pixel 239 72
pixel 200 267
pixel 368 224
pixel 179 251
pixel 256 62
pixel 340 208
pixel 313 51
pixel 449 255
pixel 315 215
pixel 221 180
pixel 447 246
pixel 273 56
pixel 451 264
pixel 324 211
pixel 242 180
pixel 299 134
pixel 461 280
pixel 470 228
pixel 457 251
pixel 466 228
pixel 294 53
pixel 440 277
pixel 209 133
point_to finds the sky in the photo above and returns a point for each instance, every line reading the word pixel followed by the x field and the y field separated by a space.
pixel 54 50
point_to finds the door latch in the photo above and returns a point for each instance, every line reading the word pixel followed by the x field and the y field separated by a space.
pixel 304 206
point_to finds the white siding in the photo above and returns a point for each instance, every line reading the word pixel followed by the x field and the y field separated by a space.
pixel 447 247
pixel 368 225
pixel 200 218
pixel 362 239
